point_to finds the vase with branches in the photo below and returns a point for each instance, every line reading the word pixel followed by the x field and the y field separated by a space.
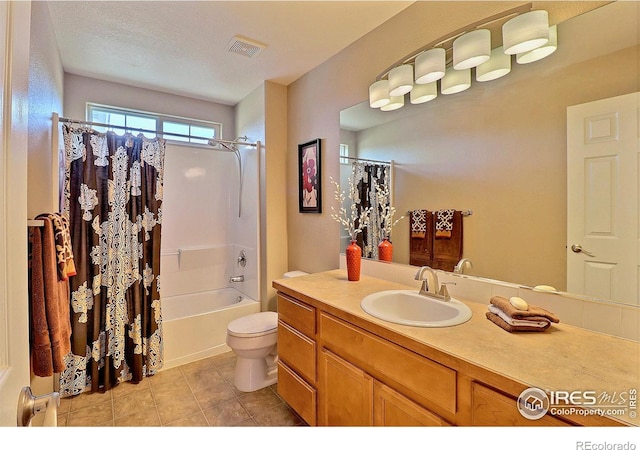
pixel 387 212
pixel 354 222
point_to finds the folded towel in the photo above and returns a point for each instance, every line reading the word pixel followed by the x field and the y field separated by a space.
pixel 444 223
pixel 511 328
pixel 533 311
pixel 539 322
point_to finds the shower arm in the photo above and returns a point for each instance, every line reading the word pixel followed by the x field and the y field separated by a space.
pixel 232 146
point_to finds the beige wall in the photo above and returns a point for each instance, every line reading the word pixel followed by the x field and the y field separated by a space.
pixel 498 149
pixel 45 97
pixel 79 90
pixel 262 117
pixel 316 99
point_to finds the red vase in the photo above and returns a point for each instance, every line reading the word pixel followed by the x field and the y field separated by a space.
pixel 385 250
pixel 354 258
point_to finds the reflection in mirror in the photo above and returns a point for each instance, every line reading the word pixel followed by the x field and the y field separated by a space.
pixel 500 150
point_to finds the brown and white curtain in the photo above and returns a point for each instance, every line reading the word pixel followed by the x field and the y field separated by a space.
pixel 366 176
pixel 113 201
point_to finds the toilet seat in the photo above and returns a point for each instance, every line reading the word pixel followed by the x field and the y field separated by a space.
pixel 254 325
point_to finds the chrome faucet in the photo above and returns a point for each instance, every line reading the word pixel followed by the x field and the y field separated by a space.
pixel 237 279
pixel 462 264
pixel 430 288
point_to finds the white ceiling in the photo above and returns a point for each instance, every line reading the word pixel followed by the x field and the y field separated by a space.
pixel 180 46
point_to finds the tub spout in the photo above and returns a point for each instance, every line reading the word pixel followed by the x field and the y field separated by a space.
pixel 237 279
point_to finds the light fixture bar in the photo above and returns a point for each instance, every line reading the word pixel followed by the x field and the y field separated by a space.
pixel 448 38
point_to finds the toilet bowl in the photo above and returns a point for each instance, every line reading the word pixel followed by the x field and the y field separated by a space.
pixel 253 338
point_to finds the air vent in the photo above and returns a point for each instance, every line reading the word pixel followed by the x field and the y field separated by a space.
pixel 244 46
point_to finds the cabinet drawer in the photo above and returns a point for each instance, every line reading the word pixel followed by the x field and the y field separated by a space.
pixel 492 408
pixel 297 393
pixel 297 351
pixel 423 378
pixel 299 315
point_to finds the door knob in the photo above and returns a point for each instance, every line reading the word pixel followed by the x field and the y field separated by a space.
pixel 577 248
pixel 29 405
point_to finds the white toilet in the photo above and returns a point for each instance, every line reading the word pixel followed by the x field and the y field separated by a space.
pixel 253 338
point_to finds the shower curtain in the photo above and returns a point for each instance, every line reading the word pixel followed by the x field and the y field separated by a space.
pixel 366 176
pixel 113 200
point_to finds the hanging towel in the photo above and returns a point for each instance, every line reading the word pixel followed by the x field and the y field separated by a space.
pixel 64 254
pixel 421 238
pixel 56 298
pixel 444 223
pixel 447 252
pixel 41 359
pixel 419 223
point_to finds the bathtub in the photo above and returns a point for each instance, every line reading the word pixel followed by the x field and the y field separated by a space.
pixel 195 325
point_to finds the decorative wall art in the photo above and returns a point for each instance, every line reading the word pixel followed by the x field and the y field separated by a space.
pixel 310 200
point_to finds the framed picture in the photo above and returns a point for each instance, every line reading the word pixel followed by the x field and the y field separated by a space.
pixel 310 194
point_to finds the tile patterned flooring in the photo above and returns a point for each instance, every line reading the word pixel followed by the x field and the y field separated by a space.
pixel 197 394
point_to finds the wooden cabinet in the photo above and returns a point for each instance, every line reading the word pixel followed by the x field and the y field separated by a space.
pixel 492 408
pixel 392 409
pixel 337 372
pixel 297 357
pixel 346 392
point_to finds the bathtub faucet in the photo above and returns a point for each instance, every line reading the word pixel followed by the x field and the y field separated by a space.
pixel 238 279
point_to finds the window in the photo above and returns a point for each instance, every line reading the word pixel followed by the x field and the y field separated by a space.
pixel 179 129
pixel 344 153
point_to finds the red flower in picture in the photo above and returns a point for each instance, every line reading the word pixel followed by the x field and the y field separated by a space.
pixel 309 174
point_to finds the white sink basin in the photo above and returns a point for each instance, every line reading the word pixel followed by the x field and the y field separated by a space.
pixel 407 307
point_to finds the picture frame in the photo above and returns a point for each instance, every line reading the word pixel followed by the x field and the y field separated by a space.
pixel 309 180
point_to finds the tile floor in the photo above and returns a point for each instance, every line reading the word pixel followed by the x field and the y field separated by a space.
pixel 198 394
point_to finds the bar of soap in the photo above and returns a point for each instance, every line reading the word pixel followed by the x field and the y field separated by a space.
pixel 519 303
pixel 545 288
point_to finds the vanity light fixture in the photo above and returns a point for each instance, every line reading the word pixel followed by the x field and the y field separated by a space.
pixel 400 80
pixel 396 102
pixel 379 94
pixel 455 81
pixel 422 93
pixel 430 65
pixel 525 32
pixel 451 59
pixel 540 52
pixel 498 66
pixel 471 49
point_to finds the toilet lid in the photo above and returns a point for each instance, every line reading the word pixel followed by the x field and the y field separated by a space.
pixel 257 324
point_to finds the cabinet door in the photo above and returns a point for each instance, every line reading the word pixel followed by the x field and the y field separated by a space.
pixel 392 409
pixel 346 393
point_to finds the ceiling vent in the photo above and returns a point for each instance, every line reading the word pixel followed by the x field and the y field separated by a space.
pixel 244 46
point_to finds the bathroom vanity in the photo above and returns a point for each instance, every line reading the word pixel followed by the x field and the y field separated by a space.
pixel 340 366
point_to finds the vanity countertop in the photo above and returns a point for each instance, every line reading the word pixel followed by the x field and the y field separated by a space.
pixel 563 358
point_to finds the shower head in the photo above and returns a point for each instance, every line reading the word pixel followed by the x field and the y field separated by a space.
pixel 217 144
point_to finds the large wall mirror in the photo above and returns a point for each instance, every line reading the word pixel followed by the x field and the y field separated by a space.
pixel 500 150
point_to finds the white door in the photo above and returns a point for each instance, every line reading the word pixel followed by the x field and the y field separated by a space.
pixel 14 325
pixel 602 204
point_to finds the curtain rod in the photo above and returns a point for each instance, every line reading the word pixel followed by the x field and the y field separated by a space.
pixel 142 130
pixel 355 158
pixel 121 127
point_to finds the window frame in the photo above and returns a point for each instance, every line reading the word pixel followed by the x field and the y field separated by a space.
pixel 160 119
